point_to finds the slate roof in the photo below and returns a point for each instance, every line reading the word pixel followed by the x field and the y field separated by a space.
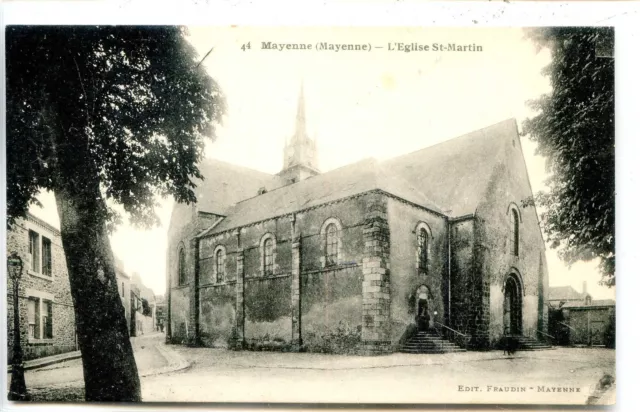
pixel 226 184
pixel 564 293
pixel 457 171
pixel 594 303
pixel 343 182
pixel 449 178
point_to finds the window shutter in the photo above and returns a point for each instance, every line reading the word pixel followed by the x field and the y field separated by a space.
pixel 37 319
pixel 31 317
pixel 46 256
pixel 49 321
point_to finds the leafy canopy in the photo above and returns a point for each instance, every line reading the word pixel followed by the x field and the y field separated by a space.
pixel 574 130
pixel 128 106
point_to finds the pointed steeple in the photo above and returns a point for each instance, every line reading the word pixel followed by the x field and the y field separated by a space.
pixel 300 156
pixel 301 119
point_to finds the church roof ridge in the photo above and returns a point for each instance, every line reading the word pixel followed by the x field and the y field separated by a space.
pixel 449 178
pixel 211 161
pixel 309 178
pixel 454 138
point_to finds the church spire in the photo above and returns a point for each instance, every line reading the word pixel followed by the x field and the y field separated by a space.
pixel 300 155
pixel 301 119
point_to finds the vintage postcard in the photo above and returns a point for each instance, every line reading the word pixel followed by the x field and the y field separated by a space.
pixel 363 215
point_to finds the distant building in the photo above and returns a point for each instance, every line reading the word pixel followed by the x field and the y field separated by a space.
pixel 124 288
pixel 361 258
pixel 47 317
pixel 578 319
pixel 143 304
pixel 560 295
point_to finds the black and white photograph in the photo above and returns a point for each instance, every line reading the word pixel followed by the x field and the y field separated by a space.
pixel 310 215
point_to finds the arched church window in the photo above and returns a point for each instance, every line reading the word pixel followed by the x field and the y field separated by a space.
pixel 182 270
pixel 331 239
pixel 514 238
pixel 331 250
pixel 423 248
pixel 220 265
pixel 423 235
pixel 268 257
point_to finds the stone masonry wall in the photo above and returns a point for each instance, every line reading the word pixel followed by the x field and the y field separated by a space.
pixel 589 326
pixel 465 282
pixel 302 305
pixel 35 284
pixel 181 299
pixel 407 277
pixel 376 299
pixel 331 296
pixel 508 188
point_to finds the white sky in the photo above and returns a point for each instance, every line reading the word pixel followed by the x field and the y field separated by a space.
pixel 359 104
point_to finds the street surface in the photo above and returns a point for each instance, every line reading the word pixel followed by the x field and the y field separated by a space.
pixel 471 377
pixel 557 376
pixel 50 382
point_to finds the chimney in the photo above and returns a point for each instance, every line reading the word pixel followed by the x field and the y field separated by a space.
pixel 584 287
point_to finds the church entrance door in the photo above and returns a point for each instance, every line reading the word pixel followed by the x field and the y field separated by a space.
pixel 422 308
pixel 513 306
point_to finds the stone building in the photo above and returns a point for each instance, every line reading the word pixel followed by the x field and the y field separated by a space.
pixel 143 304
pixel 578 319
pixel 123 280
pixel 361 258
pixel 561 295
pixel 47 318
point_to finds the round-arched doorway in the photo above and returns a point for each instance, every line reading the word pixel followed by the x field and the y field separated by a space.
pixel 422 308
pixel 512 305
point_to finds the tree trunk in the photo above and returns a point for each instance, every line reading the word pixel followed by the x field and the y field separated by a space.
pixel 110 371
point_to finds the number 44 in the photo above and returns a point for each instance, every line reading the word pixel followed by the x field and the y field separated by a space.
pixel 246 46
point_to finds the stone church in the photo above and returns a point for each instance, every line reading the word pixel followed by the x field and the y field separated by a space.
pixel 365 258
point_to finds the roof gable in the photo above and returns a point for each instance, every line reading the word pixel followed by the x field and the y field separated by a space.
pixel 456 173
pixel 564 293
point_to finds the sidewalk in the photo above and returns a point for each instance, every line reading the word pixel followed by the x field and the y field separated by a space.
pixel 65 371
pixel 63 357
pixel 48 360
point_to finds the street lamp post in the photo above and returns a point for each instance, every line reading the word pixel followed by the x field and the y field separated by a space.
pixel 18 388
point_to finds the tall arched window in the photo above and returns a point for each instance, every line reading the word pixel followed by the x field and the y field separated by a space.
pixel 182 270
pixel 423 248
pixel 268 257
pixel 514 239
pixel 331 242
pixel 423 235
pixel 220 261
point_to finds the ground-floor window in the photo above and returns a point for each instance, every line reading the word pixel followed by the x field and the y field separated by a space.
pixel 40 317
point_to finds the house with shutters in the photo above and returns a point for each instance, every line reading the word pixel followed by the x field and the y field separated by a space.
pixel 433 246
pixel 47 318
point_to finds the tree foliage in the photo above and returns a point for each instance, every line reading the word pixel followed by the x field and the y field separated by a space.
pixel 574 130
pixel 99 113
pixel 131 102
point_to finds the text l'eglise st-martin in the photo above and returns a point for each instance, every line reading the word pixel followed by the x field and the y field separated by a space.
pixel 393 46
